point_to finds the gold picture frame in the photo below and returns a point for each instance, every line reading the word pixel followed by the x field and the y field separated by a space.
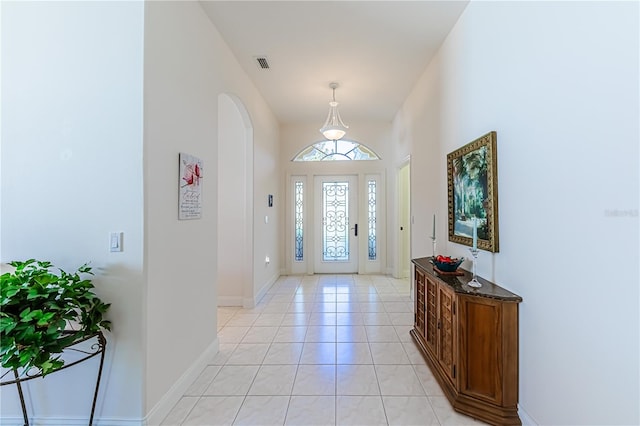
pixel 472 192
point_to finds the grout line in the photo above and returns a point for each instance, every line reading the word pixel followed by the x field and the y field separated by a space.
pixel 288 289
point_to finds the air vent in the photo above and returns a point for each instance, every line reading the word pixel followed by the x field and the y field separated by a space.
pixel 262 62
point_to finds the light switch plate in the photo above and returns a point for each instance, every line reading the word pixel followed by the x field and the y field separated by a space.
pixel 115 241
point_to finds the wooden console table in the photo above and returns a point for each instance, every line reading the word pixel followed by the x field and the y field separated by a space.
pixel 77 354
pixel 469 338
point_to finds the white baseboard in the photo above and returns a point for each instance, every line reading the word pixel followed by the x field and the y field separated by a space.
pixel 173 395
pixel 12 421
pixel 525 417
pixel 229 300
pixel 116 422
pixel 59 421
pixel 251 303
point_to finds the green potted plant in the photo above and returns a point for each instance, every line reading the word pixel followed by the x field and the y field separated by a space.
pixel 42 312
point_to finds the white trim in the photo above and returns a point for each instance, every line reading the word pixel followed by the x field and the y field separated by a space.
pixel 62 421
pixel 250 303
pixel 398 248
pixel 292 266
pixel 115 422
pixel 230 300
pixel 163 407
pixel 295 157
pixel 353 264
pixel 376 266
pixel 310 169
pixel 525 417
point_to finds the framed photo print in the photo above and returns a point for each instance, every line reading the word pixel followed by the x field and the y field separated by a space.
pixel 472 191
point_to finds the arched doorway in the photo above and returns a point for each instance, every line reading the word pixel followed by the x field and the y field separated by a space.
pixel 235 203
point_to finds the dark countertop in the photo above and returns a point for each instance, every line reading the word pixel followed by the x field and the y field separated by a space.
pixel 459 283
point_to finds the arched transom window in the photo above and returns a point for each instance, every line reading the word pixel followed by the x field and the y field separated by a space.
pixel 336 151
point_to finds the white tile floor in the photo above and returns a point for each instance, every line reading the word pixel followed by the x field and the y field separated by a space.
pixel 319 350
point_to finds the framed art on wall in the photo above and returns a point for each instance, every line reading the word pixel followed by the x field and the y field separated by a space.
pixel 190 187
pixel 472 192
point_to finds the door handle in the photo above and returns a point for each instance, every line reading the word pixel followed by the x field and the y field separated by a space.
pixel 355 229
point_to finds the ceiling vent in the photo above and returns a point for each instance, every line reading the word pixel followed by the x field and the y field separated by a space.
pixel 262 62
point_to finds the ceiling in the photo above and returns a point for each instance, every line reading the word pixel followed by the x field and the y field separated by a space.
pixel 375 50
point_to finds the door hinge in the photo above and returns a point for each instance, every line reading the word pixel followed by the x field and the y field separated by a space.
pixel 454 371
pixel 454 308
pixel 439 324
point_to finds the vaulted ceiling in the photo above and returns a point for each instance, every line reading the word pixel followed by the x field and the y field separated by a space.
pixel 375 50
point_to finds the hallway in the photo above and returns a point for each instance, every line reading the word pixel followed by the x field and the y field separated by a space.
pixel 319 350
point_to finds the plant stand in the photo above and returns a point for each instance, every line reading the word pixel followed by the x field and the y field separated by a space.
pixel 96 348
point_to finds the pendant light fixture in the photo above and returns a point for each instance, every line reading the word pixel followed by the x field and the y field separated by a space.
pixel 333 128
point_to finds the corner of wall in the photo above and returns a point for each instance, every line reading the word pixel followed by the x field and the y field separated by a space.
pixel 525 417
pixel 251 302
pixel 160 411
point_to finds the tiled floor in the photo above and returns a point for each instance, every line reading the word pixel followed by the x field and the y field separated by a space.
pixel 319 350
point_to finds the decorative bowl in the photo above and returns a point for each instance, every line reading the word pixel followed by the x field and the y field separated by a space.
pixel 447 264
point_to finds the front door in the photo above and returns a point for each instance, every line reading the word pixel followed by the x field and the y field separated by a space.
pixel 336 219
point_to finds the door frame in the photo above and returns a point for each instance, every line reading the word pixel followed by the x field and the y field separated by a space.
pixel 403 208
pixel 353 264
pixel 306 172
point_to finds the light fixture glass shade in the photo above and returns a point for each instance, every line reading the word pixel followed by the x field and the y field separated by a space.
pixel 333 133
pixel 333 128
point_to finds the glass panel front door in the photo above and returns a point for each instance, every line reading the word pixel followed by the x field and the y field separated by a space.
pixel 337 224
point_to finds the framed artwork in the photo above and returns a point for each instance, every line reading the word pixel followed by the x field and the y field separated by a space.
pixel 472 191
pixel 190 187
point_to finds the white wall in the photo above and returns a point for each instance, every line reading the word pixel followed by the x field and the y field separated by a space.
pixel 559 84
pixel 71 173
pixel 80 158
pixel 233 221
pixel 267 237
pixel 187 66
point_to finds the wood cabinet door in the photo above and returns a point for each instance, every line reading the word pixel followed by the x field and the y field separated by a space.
pixel 447 344
pixel 431 315
pixel 419 321
pixel 481 358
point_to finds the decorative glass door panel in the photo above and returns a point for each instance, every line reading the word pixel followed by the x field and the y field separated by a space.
pixel 335 221
pixel 337 229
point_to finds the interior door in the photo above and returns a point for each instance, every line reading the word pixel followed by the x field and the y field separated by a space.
pixel 336 219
